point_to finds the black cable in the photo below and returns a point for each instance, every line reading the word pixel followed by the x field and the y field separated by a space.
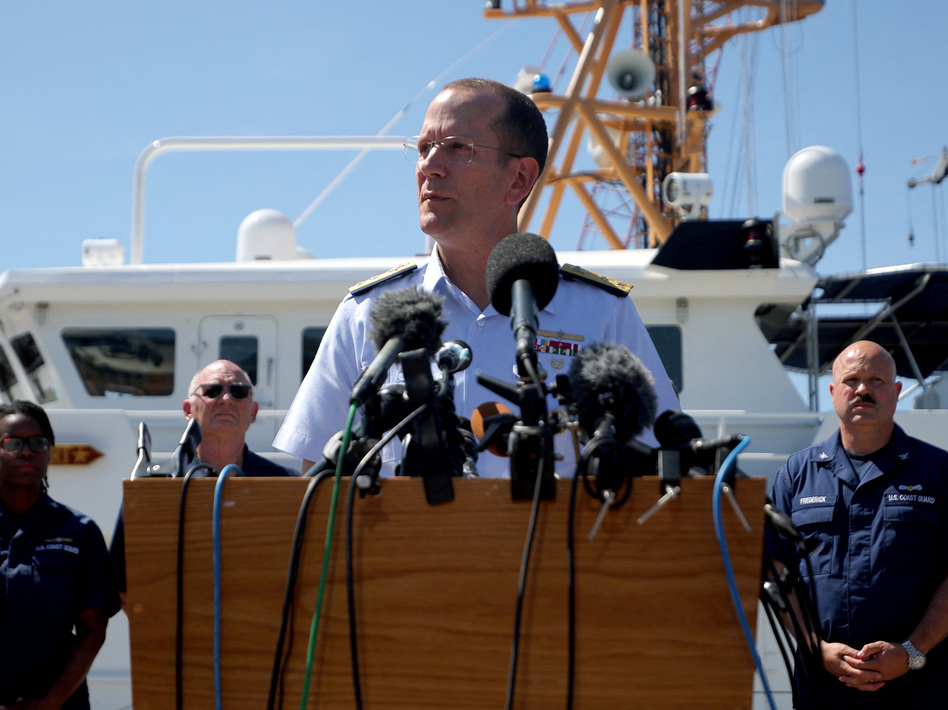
pixel 780 632
pixel 350 585
pixel 571 586
pixel 350 599
pixel 524 567
pixel 179 587
pixel 289 592
pixel 804 621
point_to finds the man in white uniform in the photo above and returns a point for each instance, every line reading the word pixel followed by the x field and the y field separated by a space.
pixel 482 148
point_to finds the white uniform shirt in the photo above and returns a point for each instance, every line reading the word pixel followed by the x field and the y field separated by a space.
pixel 580 314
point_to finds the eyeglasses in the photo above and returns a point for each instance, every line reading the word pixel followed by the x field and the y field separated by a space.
pixel 457 150
pixel 213 391
pixel 14 445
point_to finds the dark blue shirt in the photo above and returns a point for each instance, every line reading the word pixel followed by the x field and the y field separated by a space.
pixel 878 551
pixel 54 566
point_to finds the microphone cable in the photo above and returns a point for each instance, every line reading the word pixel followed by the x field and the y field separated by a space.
pixel 571 591
pixel 522 582
pixel 229 470
pixel 350 585
pixel 719 482
pixel 327 548
pixel 777 601
pixel 289 593
pixel 179 588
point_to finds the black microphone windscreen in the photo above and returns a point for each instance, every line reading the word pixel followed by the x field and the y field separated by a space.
pixel 675 430
pixel 605 377
pixel 521 256
pixel 412 313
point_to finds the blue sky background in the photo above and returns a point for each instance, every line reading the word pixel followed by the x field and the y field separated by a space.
pixel 85 87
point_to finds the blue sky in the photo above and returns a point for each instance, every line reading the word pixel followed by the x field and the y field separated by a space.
pixel 85 87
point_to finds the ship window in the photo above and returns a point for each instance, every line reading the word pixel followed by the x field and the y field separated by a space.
pixel 667 339
pixel 7 378
pixel 241 350
pixel 312 337
pixel 28 354
pixel 123 361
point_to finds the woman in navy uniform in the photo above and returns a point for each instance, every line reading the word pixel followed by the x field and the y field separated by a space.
pixel 57 595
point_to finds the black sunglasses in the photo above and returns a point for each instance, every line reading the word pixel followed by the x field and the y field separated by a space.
pixel 14 445
pixel 213 391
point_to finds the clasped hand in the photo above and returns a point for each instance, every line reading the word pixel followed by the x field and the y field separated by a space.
pixel 867 668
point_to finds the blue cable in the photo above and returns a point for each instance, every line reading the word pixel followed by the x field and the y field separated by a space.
pixel 719 482
pixel 229 470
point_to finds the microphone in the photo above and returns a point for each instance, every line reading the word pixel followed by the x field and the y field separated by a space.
pixel 614 400
pixel 678 432
pixel 383 411
pixel 181 458
pixel 454 356
pixel 522 277
pixel 613 392
pixel 675 429
pixel 468 448
pixel 491 423
pixel 783 524
pixel 406 319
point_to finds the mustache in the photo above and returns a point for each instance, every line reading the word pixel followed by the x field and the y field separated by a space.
pixel 860 398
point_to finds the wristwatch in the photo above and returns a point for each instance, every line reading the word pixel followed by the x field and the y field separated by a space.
pixel 916 659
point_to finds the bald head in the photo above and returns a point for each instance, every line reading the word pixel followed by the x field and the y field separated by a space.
pixel 229 371
pixel 863 353
pixel 865 395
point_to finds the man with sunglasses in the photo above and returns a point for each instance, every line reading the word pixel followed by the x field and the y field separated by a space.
pixel 482 147
pixel 220 399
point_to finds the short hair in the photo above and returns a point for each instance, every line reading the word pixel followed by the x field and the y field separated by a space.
pixel 521 126
pixel 32 410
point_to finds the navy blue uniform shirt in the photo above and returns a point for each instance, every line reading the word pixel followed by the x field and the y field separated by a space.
pixel 54 566
pixel 878 550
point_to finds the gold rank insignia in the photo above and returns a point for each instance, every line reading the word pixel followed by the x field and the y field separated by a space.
pixel 393 273
pixel 618 288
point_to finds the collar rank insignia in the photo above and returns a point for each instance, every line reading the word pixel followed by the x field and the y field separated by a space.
pixel 823 456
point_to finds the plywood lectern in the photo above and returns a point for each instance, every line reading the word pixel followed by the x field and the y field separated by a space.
pixel 435 590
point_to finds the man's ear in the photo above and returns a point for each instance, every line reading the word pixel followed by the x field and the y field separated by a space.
pixel 528 170
pixel 186 408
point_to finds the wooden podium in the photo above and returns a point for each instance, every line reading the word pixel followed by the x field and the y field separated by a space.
pixel 435 590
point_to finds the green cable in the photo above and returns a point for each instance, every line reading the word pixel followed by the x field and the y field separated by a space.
pixel 330 525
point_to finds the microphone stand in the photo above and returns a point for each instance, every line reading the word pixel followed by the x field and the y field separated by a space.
pixel 530 443
pixel 425 449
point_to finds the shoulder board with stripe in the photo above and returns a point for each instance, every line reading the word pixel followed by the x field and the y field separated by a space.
pixel 578 273
pixel 394 273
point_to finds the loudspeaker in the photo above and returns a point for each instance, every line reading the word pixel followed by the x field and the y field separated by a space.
pixel 631 72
